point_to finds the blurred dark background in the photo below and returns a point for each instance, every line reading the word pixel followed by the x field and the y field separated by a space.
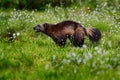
pixel 42 4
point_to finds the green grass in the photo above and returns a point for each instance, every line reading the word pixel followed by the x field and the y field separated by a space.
pixel 34 56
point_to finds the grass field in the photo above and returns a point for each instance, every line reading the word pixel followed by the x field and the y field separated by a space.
pixel 26 55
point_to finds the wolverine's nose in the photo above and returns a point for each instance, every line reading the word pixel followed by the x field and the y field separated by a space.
pixel 34 28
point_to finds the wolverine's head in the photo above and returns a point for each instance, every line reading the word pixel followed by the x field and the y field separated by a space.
pixel 41 27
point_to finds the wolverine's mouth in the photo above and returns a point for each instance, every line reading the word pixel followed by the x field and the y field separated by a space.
pixel 35 30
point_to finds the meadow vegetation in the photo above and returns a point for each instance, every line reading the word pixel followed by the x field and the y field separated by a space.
pixel 26 55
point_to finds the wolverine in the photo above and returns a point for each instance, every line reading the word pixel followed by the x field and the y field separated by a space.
pixel 68 29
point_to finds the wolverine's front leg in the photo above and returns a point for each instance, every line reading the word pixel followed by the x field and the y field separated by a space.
pixel 60 41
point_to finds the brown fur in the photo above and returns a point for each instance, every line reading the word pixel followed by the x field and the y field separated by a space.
pixel 68 29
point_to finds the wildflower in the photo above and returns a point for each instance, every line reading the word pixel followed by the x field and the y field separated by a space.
pixel 98 59
pixel 17 33
pixel 47 66
pixel 94 64
pixel 68 55
pixel 73 54
pixel 88 56
pixel 109 66
pixel 68 61
pixel 84 46
pixel 96 48
pixel 79 60
pixel 9 32
pixel 105 52
pixel 54 57
pixel 64 60
pixel 99 50
pixel 84 61
pixel 102 62
pixel 110 44
pixel 14 35
pixel 107 59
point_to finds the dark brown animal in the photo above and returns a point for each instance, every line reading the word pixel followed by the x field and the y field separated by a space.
pixel 68 29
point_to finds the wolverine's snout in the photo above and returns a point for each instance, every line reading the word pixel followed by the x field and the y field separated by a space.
pixel 36 28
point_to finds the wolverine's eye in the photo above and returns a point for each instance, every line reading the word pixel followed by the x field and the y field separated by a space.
pixel 38 25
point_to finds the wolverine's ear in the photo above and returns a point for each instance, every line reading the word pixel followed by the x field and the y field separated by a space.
pixel 45 24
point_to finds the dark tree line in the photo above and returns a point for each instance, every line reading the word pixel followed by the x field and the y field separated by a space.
pixel 42 4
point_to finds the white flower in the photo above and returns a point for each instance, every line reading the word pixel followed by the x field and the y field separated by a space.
pixel 73 54
pixel 54 57
pixel 110 44
pixel 17 33
pixel 68 61
pixel 96 48
pixel 62 67
pixel 94 64
pixel 88 56
pixel 14 34
pixel 9 33
pixel 102 62
pixel 64 60
pixel 79 60
pixel 68 55
pixel 47 66
pixel 107 59
pixel 84 46
pixel 99 50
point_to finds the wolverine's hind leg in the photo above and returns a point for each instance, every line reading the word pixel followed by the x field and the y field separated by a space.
pixel 77 42
pixel 78 38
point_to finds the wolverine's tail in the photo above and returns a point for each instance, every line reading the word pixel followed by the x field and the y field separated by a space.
pixel 93 34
